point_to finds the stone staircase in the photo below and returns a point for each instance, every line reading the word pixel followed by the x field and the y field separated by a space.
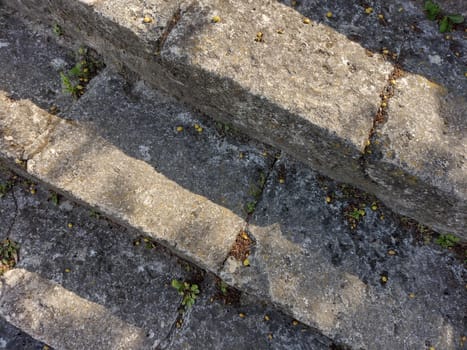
pixel 331 256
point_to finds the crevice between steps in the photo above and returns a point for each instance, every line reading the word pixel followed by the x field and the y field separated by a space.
pixel 244 241
pixel 381 116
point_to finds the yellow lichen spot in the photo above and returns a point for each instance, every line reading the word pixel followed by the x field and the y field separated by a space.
pixel 328 199
pixel 241 155
pixel 270 336
pixel 45 347
pixel 241 315
pixel 70 225
pixel 431 348
pixel 216 19
pixel 246 262
pixel 280 31
pixel 369 10
pixel 306 20
pixel 281 180
pixel 295 322
pixel 380 16
pixel 412 295
pixel 179 128
pixel 384 279
pixel 200 129
pixel 381 217
pixel 393 82
pixel 196 126
pixel 465 74
pixel 374 207
pixel 384 104
pixel 264 154
pixel 147 19
pixel 146 239
pixel 329 14
pixel 266 318
pixel 67 270
pixel 32 191
pixel 448 37
pixel 244 235
pixel 391 252
pixel 385 51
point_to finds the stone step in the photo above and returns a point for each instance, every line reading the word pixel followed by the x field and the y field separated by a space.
pixel 329 255
pixel 313 88
pixel 96 285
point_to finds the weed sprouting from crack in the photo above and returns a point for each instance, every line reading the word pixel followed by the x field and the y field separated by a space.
pixel 74 81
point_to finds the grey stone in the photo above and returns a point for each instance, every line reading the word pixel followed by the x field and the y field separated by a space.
pixel 42 307
pixel 12 338
pixel 185 147
pixel 308 261
pixel 31 65
pixel 312 91
pixel 419 154
pixel 121 282
pixel 308 91
pixel 246 324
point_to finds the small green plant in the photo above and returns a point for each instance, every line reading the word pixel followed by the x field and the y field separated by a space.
pixel 8 255
pixel 250 207
pixel 446 22
pixel 223 287
pixel 75 80
pixel 4 188
pixel 54 198
pixel 57 30
pixel 357 214
pixel 432 10
pixel 447 241
pixel 188 291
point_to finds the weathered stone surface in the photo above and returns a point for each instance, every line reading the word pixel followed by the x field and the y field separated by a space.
pixel 12 338
pixel 307 260
pixel 24 128
pixel 131 281
pixel 307 90
pixel 183 146
pixel 42 307
pixel 247 324
pixel 81 163
pixel 419 154
pixel 30 65
pixel 115 29
pixel 92 260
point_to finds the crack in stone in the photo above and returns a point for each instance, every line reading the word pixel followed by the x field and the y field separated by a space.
pixel 43 138
pixel 168 29
pixel 381 116
pixel 13 222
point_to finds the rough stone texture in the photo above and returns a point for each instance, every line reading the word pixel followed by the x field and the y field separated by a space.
pixel 308 91
pixel 116 29
pixel 422 170
pixel 212 324
pixel 307 260
pixel 132 283
pixel 81 163
pixel 145 124
pixel 31 65
pixel 12 338
pixel 24 127
pixel 419 154
pixel 42 307
pixel 220 69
